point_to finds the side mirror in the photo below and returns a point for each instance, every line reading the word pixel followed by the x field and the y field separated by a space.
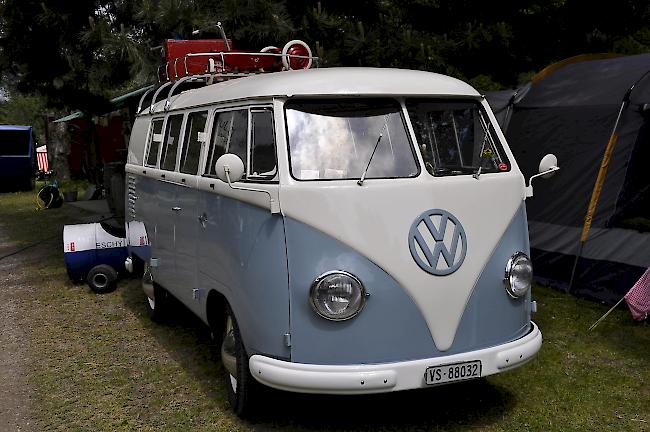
pixel 229 168
pixel 547 167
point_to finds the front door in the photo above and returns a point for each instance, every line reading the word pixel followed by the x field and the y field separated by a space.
pixel 241 244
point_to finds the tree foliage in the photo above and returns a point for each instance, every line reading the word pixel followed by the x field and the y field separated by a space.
pixel 24 110
pixel 78 54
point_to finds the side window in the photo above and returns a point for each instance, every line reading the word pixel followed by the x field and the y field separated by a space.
pixel 194 137
pixel 229 135
pixel 263 164
pixel 170 147
pixel 155 138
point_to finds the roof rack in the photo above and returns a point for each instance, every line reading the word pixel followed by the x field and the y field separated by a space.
pixel 256 62
pixel 222 66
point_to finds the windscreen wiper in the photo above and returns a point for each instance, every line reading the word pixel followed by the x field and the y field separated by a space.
pixel 363 176
pixel 482 155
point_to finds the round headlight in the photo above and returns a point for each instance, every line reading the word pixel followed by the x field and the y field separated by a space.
pixel 337 295
pixel 519 275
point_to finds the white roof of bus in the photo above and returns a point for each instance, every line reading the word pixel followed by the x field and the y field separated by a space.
pixel 325 82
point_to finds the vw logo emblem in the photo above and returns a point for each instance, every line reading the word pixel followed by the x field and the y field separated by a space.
pixel 438 242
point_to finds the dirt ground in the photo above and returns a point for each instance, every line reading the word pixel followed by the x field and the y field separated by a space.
pixel 17 293
pixel 15 287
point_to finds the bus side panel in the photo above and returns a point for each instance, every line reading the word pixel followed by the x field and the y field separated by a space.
pixel 162 199
pixel 146 209
pixel 242 254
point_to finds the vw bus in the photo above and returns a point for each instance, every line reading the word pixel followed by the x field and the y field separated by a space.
pixel 346 230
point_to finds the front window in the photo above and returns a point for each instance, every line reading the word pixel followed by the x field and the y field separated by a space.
pixel 455 137
pixel 228 136
pixel 262 145
pixel 249 134
pixel 336 139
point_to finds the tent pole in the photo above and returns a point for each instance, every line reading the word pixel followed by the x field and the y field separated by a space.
pixel 600 180
pixel 598 186
pixel 575 266
pixel 593 326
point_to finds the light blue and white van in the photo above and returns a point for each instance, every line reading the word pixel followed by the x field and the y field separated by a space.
pixel 348 230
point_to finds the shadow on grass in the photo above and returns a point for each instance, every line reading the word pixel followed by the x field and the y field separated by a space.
pixel 458 406
pixel 11 187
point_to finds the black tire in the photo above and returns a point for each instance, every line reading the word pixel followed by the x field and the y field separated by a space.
pixel 49 197
pixel 101 278
pixel 46 196
pixel 138 266
pixel 158 306
pixel 242 389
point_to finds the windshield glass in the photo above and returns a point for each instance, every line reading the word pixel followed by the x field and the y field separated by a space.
pixel 455 137
pixel 333 139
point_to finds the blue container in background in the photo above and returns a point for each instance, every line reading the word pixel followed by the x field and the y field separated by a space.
pixel 17 157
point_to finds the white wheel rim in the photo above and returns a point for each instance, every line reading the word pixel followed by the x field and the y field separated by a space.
pixel 233 383
pixel 100 280
pixel 285 50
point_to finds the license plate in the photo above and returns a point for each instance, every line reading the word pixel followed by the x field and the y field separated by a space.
pixel 452 372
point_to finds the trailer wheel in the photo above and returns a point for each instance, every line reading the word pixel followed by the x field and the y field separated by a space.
pixel 101 278
pixel 240 384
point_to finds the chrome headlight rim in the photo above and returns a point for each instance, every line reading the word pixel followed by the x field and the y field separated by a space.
pixel 319 279
pixel 512 261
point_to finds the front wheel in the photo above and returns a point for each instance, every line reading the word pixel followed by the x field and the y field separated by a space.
pixel 240 384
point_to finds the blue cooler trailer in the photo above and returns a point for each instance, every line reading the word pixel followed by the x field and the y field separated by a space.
pixel 94 253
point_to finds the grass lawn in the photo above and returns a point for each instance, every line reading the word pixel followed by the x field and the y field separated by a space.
pixel 97 363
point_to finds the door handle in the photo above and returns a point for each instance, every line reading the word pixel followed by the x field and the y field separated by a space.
pixel 176 209
pixel 203 219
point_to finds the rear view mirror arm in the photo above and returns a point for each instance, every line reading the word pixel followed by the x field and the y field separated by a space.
pixel 529 188
pixel 273 203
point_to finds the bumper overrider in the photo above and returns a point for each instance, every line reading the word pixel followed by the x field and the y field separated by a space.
pixel 387 377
